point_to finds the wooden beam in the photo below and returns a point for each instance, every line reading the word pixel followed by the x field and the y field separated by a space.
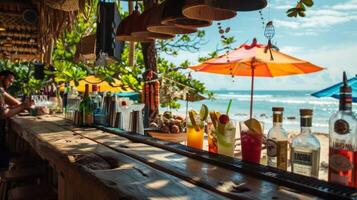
pixel 131 44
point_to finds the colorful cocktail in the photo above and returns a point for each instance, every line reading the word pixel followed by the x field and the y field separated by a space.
pixel 226 139
pixel 212 138
pixel 251 135
pixel 195 127
pixel 194 137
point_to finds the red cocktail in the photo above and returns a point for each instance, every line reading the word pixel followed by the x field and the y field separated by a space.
pixel 251 142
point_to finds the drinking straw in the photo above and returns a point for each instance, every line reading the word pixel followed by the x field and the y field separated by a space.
pixel 229 106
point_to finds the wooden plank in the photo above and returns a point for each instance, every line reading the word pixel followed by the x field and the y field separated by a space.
pixel 221 180
pixel 77 181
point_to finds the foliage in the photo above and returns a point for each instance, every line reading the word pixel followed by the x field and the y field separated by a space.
pixel 65 69
pixel 300 8
pixel 24 83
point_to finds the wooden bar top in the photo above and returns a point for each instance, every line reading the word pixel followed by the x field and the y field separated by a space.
pixel 94 164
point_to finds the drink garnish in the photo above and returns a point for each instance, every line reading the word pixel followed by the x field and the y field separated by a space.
pixel 229 106
pixel 254 126
pixel 214 119
pixel 192 114
pixel 223 119
pixel 203 112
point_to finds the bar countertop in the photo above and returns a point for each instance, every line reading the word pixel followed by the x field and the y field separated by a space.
pixel 100 163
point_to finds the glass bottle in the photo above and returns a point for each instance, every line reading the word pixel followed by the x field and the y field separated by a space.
pixel 277 141
pixel 97 99
pixel 343 135
pixel 97 105
pixel 86 109
pixel 65 99
pixel 305 148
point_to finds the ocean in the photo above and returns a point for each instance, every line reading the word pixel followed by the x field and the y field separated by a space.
pixel 292 101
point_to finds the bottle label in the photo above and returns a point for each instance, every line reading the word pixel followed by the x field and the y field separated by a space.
pixel 277 152
pixel 341 127
pixel 302 163
pixel 272 148
pixel 340 163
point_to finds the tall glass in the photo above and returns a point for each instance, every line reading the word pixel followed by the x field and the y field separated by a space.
pixel 211 138
pixel 251 143
pixel 226 139
pixel 194 137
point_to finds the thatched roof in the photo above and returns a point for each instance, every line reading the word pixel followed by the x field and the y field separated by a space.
pixel 29 27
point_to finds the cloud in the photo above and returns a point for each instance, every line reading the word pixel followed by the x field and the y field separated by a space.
pixel 335 59
pixel 321 19
pixel 350 5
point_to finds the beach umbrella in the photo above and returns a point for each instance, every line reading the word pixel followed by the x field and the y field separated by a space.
pixel 334 91
pixel 256 60
pixel 116 86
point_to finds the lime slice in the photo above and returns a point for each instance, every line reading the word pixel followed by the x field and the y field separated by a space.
pixel 254 126
pixel 221 139
pixel 203 112
pixel 192 114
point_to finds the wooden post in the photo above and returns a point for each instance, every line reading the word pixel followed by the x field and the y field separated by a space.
pixel 131 44
pixel 149 53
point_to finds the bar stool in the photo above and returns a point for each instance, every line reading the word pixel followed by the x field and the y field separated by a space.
pixel 38 192
pixel 19 177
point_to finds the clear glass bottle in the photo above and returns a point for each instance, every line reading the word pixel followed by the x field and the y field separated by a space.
pixel 343 136
pixel 97 104
pixel 305 148
pixel 86 109
pixel 277 141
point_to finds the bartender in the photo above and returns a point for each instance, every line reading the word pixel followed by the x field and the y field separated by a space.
pixel 9 107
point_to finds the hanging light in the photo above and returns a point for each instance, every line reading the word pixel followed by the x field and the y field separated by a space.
pixel 140 30
pixel 126 27
pixel 156 26
pixel 219 9
pixel 172 15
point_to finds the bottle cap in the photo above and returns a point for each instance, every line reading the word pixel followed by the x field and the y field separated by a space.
pixel 279 109
pixel 304 112
pixel 345 88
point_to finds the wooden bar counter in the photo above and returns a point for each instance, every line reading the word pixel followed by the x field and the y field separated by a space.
pixel 95 164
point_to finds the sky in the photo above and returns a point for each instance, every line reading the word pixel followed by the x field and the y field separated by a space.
pixel 326 37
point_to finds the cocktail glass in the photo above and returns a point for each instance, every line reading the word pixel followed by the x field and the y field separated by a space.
pixel 212 138
pixel 194 137
pixel 251 143
pixel 226 139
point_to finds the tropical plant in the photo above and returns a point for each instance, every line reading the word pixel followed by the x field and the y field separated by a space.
pixel 24 83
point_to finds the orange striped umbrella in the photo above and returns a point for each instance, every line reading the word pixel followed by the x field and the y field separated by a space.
pixel 256 60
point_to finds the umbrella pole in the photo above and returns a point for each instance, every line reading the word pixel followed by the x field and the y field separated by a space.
pixel 251 94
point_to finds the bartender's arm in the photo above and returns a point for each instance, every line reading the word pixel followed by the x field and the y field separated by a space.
pixel 11 101
pixel 10 112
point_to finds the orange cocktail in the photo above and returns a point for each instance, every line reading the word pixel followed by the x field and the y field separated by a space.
pixel 194 137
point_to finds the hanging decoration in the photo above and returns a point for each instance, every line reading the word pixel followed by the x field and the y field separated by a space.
pixel 269 33
pixel 222 31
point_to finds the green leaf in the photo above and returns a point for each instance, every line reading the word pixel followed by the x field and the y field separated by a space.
pixel 308 3
pixel 302 14
pixel 293 14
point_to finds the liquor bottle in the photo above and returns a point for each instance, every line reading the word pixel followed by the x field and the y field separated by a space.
pixel 343 135
pixel 305 148
pixel 97 105
pixel 65 98
pixel 277 141
pixel 86 109
pixel 97 99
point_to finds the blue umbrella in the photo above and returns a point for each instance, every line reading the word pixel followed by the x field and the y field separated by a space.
pixel 334 91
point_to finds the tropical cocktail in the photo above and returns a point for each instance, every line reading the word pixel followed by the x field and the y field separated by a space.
pixel 211 137
pixel 225 133
pixel 195 127
pixel 251 135
pixel 194 137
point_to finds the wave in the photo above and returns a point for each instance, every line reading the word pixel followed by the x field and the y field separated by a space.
pixel 274 99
